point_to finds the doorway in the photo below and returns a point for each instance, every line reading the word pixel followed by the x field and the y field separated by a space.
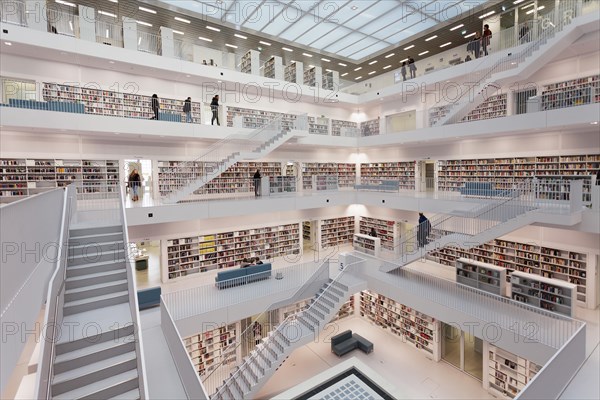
pixel 309 235
pixel 426 176
pixel 144 168
pixel 462 350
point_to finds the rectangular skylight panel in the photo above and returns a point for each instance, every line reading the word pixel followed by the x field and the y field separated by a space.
pixel 327 10
pixel 368 51
pixel 371 13
pixel 331 37
pixel 345 12
pixel 258 20
pixel 383 22
pixel 397 37
pixel 299 27
pixel 277 26
pixel 343 42
pixel 318 32
pixel 357 46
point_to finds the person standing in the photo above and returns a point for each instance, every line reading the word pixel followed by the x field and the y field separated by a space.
pixel 155 106
pixel 403 70
pixel 214 107
pixel 257 331
pixel 412 67
pixel 476 45
pixel 485 40
pixel 373 233
pixel 135 181
pixel 257 177
pixel 187 109
pixel 423 230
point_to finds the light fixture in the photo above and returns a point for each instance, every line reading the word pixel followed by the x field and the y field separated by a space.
pixel 66 3
pixel 287 49
pixel 143 23
pixel 187 76
pixel 114 1
pixel 342 64
pixel 445 44
pixel 111 62
pixel 107 34
pixel 527 6
pixel 487 14
pixel 354 7
pixel 406 59
pixel 328 70
pixel 311 66
pixel 456 27
pixel 430 38
pixel 231 45
pixel 503 8
pixel 107 14
pixel 357 78
pixel 409 47
pixel 470 34
pixel 117 133
pixel 212 28
pixel 8 43
pixel 532 11
pixel 463 31
pixel 518 1
pixel 205 39
pixel 187 21
pixel 594 123
pixel 372 72
pixel 387 66
pixel 147 10
pixel 240 36
pixel 373 62
pixel 389 55
pixel 178 32
pixel 139 40
pixel 265 43
pixel 358 69
pixel 423 53
pixel 325 59
pixel 307 55
pixel 344 74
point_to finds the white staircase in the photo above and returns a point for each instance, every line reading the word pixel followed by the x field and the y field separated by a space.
pixel 222 155
pixel 296 331
pixel 95 356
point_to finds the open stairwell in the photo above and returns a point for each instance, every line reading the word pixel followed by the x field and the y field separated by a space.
pixel 95 354
pixel 296 331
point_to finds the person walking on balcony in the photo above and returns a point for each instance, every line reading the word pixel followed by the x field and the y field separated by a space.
pixel 135 181
pixel 257 177
pixel 485 40
pixel 412 67
pixel 214 107
pixel 187 109
pixel 403 70
pixel 423 230
pixel 155 106
pixel 474 45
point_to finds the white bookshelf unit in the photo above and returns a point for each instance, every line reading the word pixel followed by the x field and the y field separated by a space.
pixel 250 63
pixel 337 126
pixel 479 275
pixel 418 329
pixel 494 107
pixel 318 126
pixel 347 310
pixel 254 119
pixel 336 231
pixel 345 173
pixel 331 80
pixel 208 349
pixel 294 73
pixel 402 171
pixel 324 182
pixel 200 253
pixel 313 76
pixel 273 68
pixel 282 184
pixel 387 231
pixel 367 244
pixel 571 93
pixel 507 373
pixel 369 128
pixel 437 113
pixel 549 294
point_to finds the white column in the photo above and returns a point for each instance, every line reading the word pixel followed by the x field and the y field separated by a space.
pixel 130 38
pixel 36 15
pixel 254 62
pixel 318 77
pixel 167 42
pixel 87 23
pixel 299 73
pixel 336 80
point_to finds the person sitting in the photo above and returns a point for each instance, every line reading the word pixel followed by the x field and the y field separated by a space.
pixel 245 263
pixel 373 233
pixel 258 261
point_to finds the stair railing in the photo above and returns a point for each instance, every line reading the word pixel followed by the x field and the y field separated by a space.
pixel 549 25
pixel 290 320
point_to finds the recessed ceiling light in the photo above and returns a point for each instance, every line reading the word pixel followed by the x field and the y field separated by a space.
pixel 518 1
pixel 178 32
pixel 287 49
pixel 487 14
pixel 240 36
pixel 114 1
pixel 231 45
pixel 594 123
pixel 143 23
pixel 212 28
pixel 354 7
pixel 219 81
pixel 372 72
pixel 311 66
pixel 358 69
pixel 469 35
pixel 205 39
pixel 187 21
pixel 457 26
pixel 328 70
pixel 430 38
pixel 265 43
pixel 187 76
pixel 373 62
pixel 107 14
pixel 116 133
pixel 445 44
pixel 357 78
pixel 342 64
pixel 406 59
pixel 147 10
pixel 307 55
pixel 344 74
pixel 8 43
pixel 527 6
pixel 425 52
pixel 66 3
pixel 538 9
pixel 463 31
pixel 111 62
pixel 409 47
pixel 387 66
pixel 325 59
pixel 389 55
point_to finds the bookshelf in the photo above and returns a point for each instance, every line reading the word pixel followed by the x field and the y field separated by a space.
pixel 479 275
pixel 437 113
pixel 346 310
pixel 331 80
pixel 292 309
pixel 367 244
pixel 273 68
pixel 313 76
pixel 250 62
pixel 318 126
pixel 337 231
pixel 337 126
pixel 200 253
pixel 282 184
pixel 324 182
pixel 21 177
pixel 345 172
pixel 547 293
pixel 570 93
pixel 402 171
pixel 253 119
pixel 550 262
pixel 508 373
pixel 306 230
pixel 418 329
pixel 294 73
pixel 494 107
pixel 387 231
pixel 210 348
pixel 369 128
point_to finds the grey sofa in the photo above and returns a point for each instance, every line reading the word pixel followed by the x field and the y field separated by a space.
pixel 384 186
pixel 347 341
pixel 240 276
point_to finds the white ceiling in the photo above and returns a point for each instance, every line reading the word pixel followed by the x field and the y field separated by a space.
pixel 352 29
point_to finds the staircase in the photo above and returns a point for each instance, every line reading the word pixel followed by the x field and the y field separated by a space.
pixel 296 331
pixel 95 356
pixel 553 40
pixel 186 178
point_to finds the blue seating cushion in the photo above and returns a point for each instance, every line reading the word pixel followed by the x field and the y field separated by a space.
pixel 148 297
pixel 253 272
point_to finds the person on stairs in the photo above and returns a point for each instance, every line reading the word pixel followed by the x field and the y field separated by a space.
pixel 423 230
pixel 257 177
pixel 135 181
pixel 214 107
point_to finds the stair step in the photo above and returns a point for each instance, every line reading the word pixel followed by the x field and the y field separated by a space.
pixel 122 330
pixel 94 231
pixel 95 290
pixel 93 352
pixel 91 257
pixel 88 249
pixel 90 373
pixel 80 281
pixel 321 307
pixel 106 388
pixel 333 289
pixel 92 303
pixel 94 268
pixel 96 238
pixel 131 395
pixel 343 287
